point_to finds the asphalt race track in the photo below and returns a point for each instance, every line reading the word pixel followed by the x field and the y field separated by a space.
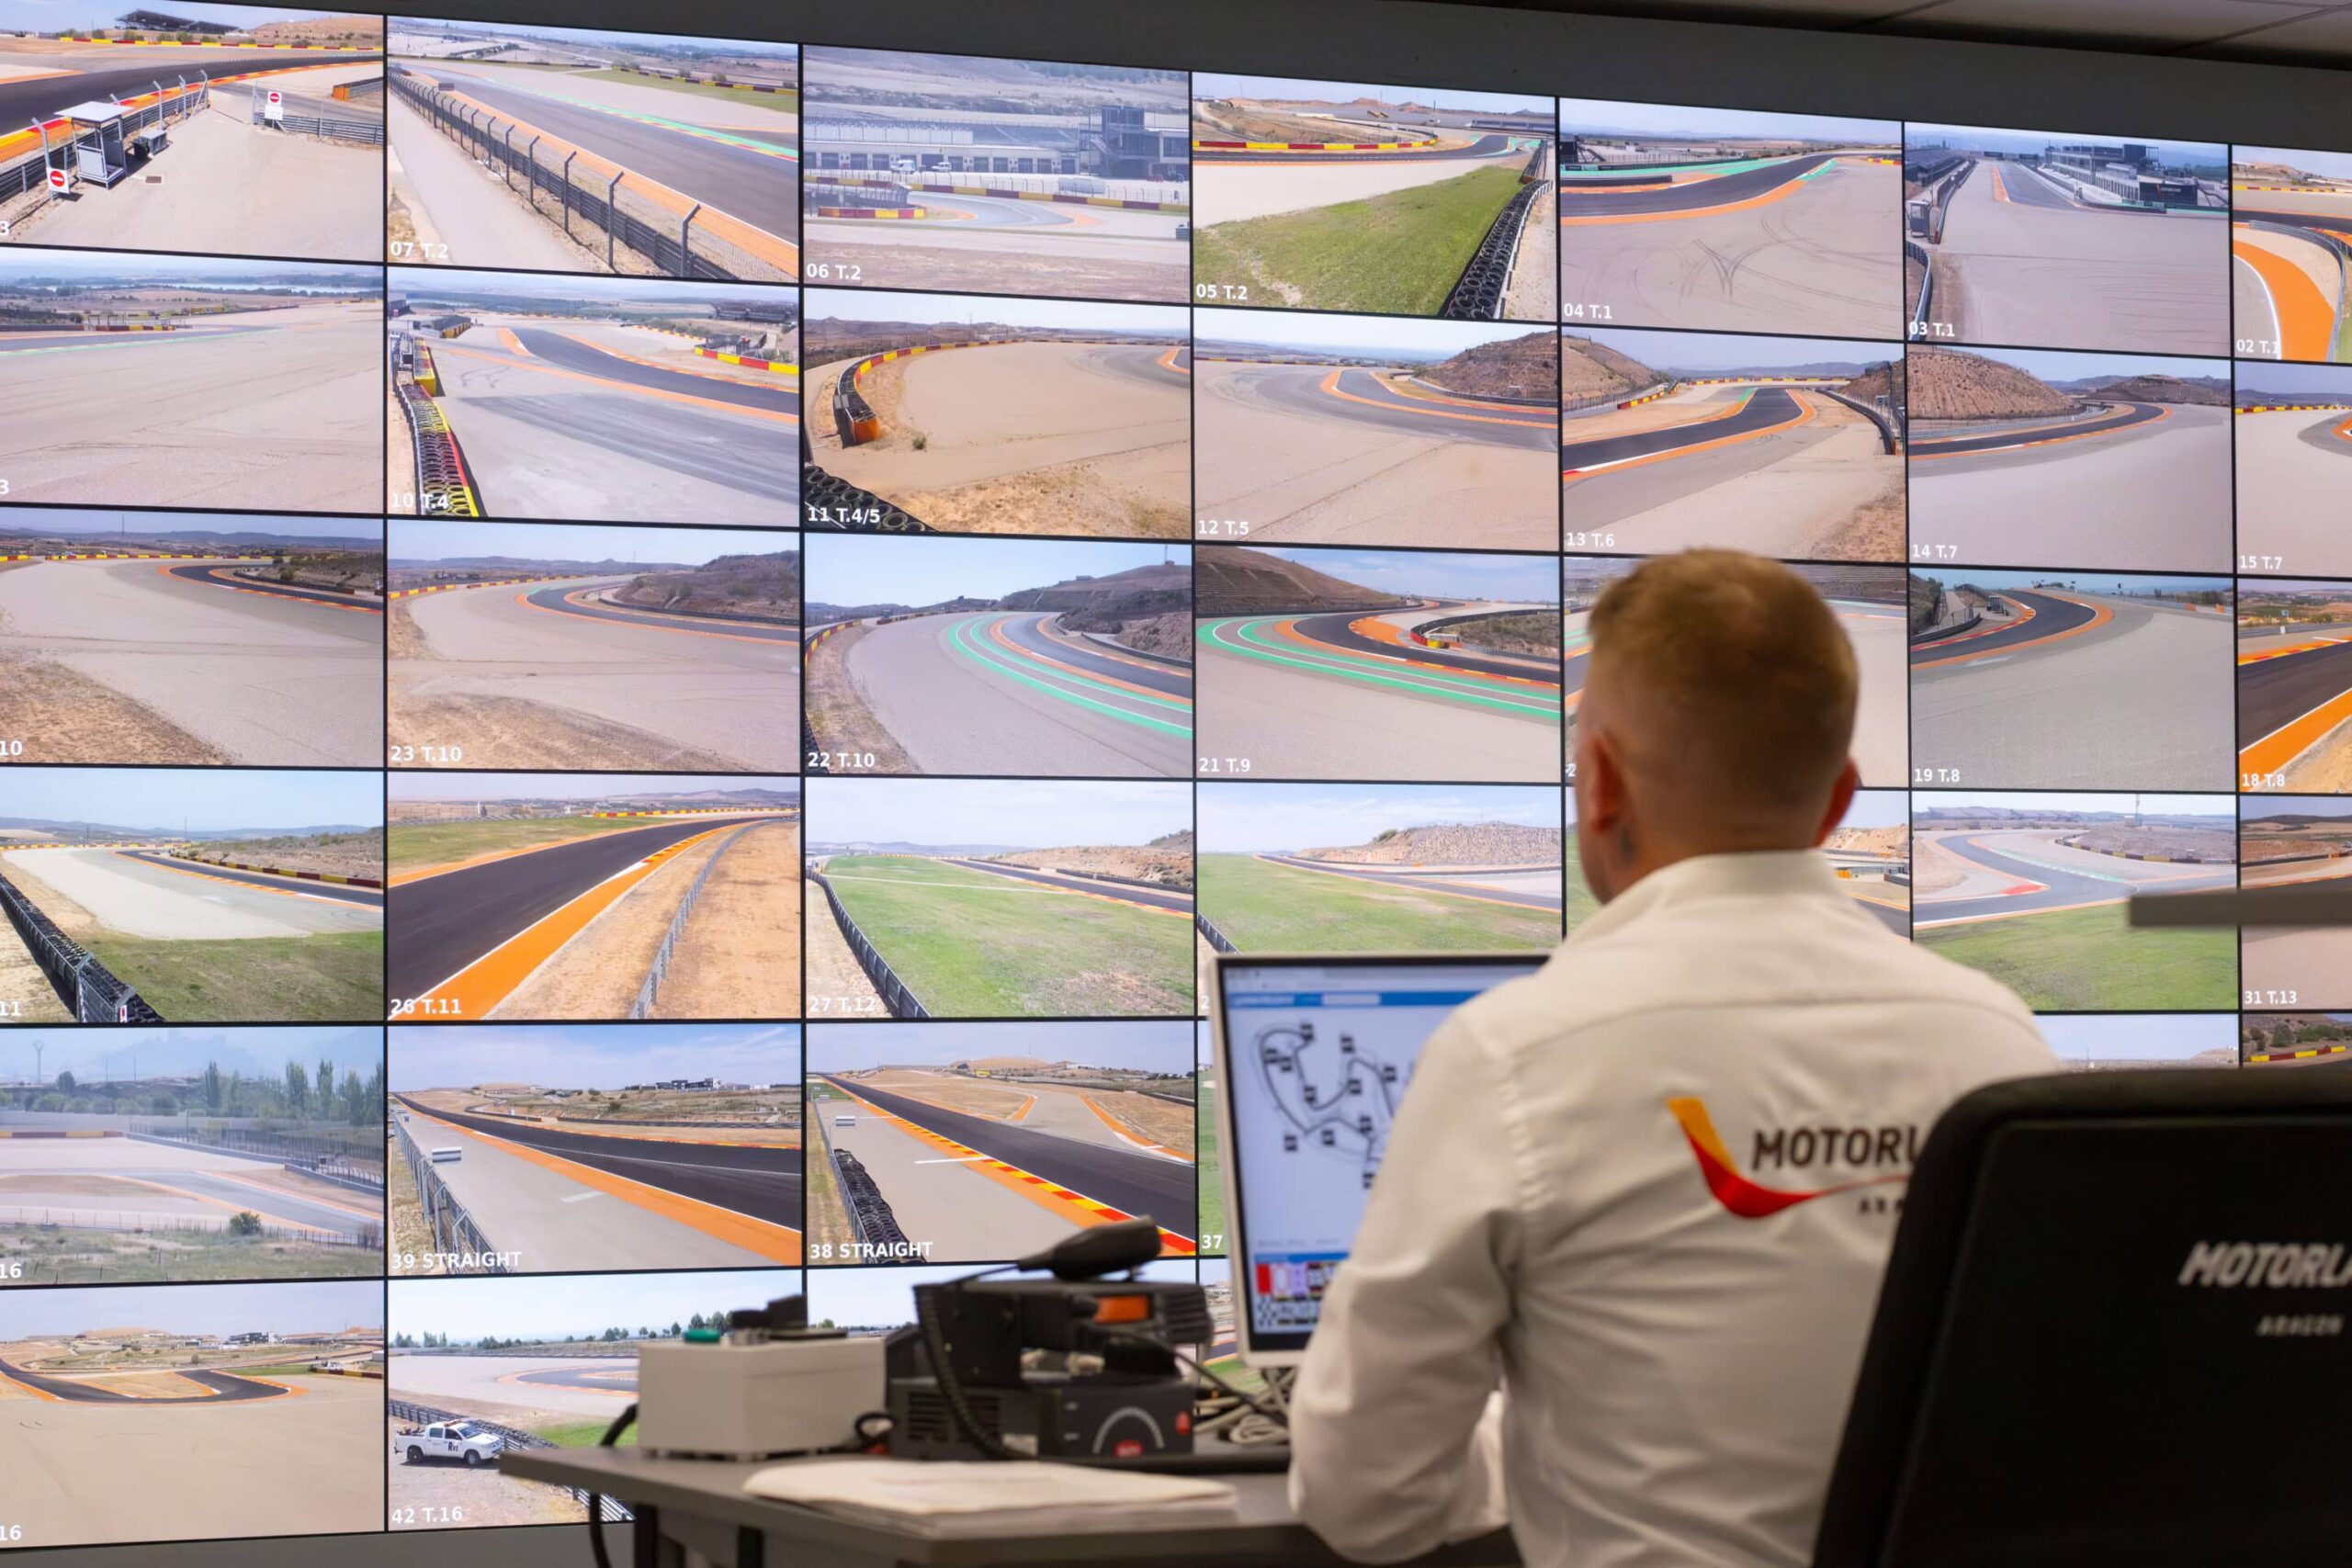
pixel 39 97
pixel 2294 467
pixel 2078 692
pixel 1137 1183
pixel 2016 872
pixel 2011 437
pixel 225 1388
pixel 1764 409
pixel 1004 692
pixel 149 895
pixel 1173 900
pixel 1494 885
pixel 369 898
pixel 439 925
pixel 2290 699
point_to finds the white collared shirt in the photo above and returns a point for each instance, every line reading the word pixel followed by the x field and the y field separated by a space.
pixel 1649 1192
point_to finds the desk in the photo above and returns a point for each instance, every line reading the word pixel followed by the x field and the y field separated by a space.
pixel 694 1514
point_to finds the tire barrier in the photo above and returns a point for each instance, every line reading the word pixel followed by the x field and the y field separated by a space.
pixel 680 236
pixel 429 1414
pixel 869 1212
pixel 444 488
pixel 870 212
pixel 1201 146
pixel 782 368
pixel 2307 1054
pixel 1480 293
pixel 454 1233
pixel 896 995
pixel 87 987
pixel 837 504
pixel 659 970
pixel 1210 934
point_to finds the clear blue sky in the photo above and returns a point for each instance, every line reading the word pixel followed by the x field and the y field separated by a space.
pixel 2217 806
pixel 2088 581
pixel 1711 353
pixel 1158 1046
pixel 874 1298
pixel 522 1306
pixel 1600 116
pixel 15 265
pixel 439 282
pixel 567 786
pixel 280 1306
pixel 2053 365
pixel 1245 819
pixel 419 539
pixel 1981 139
pixel 882 568
pixel 174 798
pixel 2252 808
pixel 1879 809
pixel 1353 334
pixel 1027 813
pixel 2328 165
pixel 592 37
pixel 1435 573
pixel 1297 89
pixel 1070 315
pixel 2141 1037
pixel 92 1054
pixel 97 520
pixel 592 1055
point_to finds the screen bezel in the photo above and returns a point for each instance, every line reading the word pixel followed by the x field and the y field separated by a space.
pixel 1289 1349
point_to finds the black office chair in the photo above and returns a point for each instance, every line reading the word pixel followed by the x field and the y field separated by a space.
pixel 2116 1332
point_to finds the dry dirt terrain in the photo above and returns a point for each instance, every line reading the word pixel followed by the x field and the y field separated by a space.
pixel 1482 843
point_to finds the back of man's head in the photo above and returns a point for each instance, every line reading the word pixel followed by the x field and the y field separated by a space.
pixel 1716 717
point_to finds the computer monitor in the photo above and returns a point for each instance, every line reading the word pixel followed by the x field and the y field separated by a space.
pixel 1313 1056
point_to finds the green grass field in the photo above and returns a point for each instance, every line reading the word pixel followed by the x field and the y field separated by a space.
pixel 973 944
pixel 2088 960
pixel 410 845
pixel 1265 907
pixel 1399 253
pixel 1581 905
pixel 582 1434
pixel 54 1255
pixel 292 979
pixel 1212 1174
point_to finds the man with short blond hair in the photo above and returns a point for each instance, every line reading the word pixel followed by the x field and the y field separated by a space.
pixel 1647 1192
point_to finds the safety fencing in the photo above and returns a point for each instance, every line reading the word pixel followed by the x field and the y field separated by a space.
pixel 444 488
pixel 371 89
pixel 593 198
pixel 1890 425
pixel 1617 400
pixel 1210 934
pixel 454 1232
pixel 894 993
pixel 93 991
pixel 330 1159
pixel 369 131
pixel 55 139
pixel 428 1415
pixel 1483 288
pixel 1916 252
pixel 650 992
pixel 780 367
pixel 114 1220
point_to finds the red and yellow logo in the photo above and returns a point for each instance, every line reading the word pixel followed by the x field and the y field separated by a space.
pixel 1748 1200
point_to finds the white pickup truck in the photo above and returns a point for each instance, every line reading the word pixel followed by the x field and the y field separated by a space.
pixel 456 1439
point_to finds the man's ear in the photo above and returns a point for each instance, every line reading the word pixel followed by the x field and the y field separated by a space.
pixel 1601 780
pixel 1841 800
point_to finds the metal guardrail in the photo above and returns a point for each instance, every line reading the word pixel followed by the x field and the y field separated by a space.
pixel 454 1233
pixel 670 242
pixel 1614 400
pixel 427 1415
pixel 31 171
pixel 1210 934
pixel 895 995
pixel 1890 430
pixel 659 970
pixel 1913 251
pixel 93 991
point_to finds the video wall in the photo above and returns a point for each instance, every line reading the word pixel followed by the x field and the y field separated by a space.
pixel 637 671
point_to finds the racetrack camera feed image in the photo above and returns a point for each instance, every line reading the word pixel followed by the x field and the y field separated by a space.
pixel 2038 458
pixel 2295 1039
pixel 2298 841
pixel 2293 425
pixel 953 898
pixel 932 414
pixel 1345 429
pixel 545 1150
pixel 2071 680
pixel 996 176
pixel 181 1387
pixel 154 1155
pixel 605 400
pixel 966 1142
pixel 1014 658
pixel 1869 851
pixel 2290 212
pixel 481 1366
pixel 1730 220
pixel 589 151
pixel 2090 1042
pixel 258 132
pixel 1785 447
pixel 2066 240
pixel 257 381
pixel 1381 868
pixel 257 898
pixel 143 638
pixel 2031 888
pixel 2295 687
pixel 1380 664
pixel 1868 603
pixel 583 647
pixel 593 896
pixel 1399 201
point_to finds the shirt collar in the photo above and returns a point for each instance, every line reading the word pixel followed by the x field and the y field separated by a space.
pixel 1760 874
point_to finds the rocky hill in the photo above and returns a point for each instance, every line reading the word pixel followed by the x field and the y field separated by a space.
pixel 2168 390
pixel 1242 581
pixel 1877 381
pixel 1588 369
pixel 1160 861
pixel 1949 383
pixel 1514 367
pixel 1892 839
pixel 1452 844
pixel 762 588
